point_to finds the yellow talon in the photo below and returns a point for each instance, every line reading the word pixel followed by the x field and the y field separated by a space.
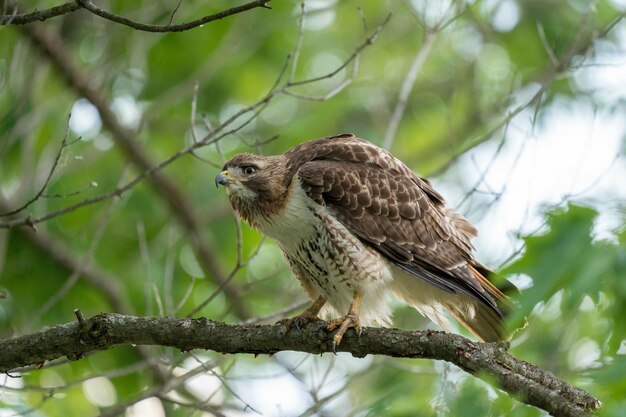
pixel 350 320
pixel 307 316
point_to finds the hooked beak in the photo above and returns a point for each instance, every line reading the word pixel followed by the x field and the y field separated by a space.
pixel 222 179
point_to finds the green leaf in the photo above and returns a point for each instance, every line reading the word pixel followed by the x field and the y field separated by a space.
pixel 564 258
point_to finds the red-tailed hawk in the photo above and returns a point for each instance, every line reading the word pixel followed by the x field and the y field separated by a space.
pixel 357 225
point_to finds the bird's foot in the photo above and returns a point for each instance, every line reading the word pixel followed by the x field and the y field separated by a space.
pixel 298 322
pixel 343 324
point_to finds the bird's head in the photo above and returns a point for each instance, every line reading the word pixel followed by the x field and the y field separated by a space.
pixel 255 184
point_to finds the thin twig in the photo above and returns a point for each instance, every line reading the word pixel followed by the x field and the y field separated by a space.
pixel 407 87
pixel 55 163
pixel 77 273
pixel 169 273
pixel 545 81
pixel 279 314
pixel 546 47
pixel 169 23
pixel 200 406
pixel 167 189
pixel 151 288
pixel 296 50
pixel 137 155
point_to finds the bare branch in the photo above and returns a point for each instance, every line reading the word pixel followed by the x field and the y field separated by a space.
pixel 165 187
pixel 296 51
pixel 40 193
pixel 553 73
pixel 407 87
pixel 489 361
pixel 169 22
pixel 71 6
pixel 52 46
pixel 546 46
pixel 38 15
pixel 357 52
pixel 86 4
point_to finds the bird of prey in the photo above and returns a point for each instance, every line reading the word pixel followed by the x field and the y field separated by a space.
pixel 356 226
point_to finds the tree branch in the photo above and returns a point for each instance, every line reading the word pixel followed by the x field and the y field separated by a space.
pixel 549 76
pixel 71 6
pixel 407 87
pixel 488 361
pixel 53 47
pixel 174 196
pixel 42 189
pixel 169 27
pixel 37 15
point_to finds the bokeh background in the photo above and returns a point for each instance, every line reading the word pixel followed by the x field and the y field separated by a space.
pixel 515 109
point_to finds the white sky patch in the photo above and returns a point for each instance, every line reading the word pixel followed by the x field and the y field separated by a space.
pixel 327 376
pixel 279 393
pixel 506 16
pixel 230 110
pixel 14 381
pixel 571 156
pixel 433 12
pixel 584 354
pixel 494 62
pixel 85 119
pixel 10 396
pixel 206 387
pixel 320 19
pixel 272 392
pixel 466 40
pixel 103 142
pixel 319 14
pixel 605 75
pixel 100 391
pixel 128 110
pixel 150 407
pixel 281 110
pixel 324 63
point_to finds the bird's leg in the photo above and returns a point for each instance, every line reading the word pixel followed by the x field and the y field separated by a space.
pixel 350 320
pixel 308 315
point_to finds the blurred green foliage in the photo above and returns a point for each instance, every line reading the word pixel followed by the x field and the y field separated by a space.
pixel 576 305
pixel 484 63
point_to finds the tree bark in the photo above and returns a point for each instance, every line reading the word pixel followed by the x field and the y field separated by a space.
pixel 489 361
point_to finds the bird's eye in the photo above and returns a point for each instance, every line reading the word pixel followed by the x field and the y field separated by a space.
pixel 249 170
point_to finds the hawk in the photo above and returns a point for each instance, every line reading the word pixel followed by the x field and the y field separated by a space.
pixel 356 225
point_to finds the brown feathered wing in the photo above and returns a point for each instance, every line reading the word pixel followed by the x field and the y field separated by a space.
pixel 401 216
